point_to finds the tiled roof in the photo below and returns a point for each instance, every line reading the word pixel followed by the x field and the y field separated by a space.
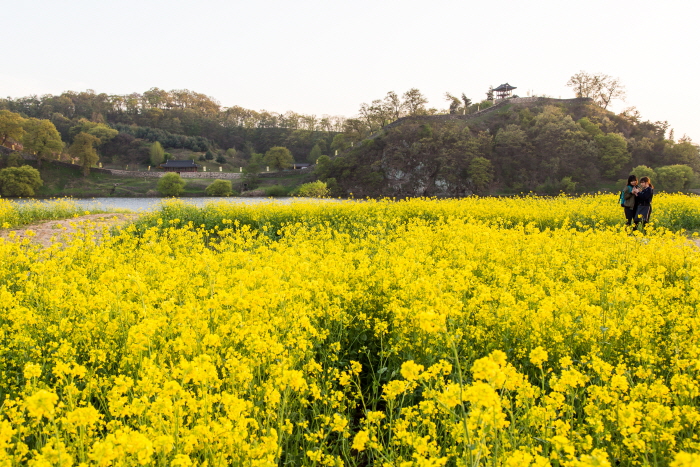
pixel 179 164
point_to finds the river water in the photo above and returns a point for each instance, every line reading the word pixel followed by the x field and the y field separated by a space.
pixel 150 204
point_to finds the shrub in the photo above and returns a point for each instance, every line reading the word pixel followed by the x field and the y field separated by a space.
pixel 19 181
pixel 674 177
pixel 220 159
pixel 219 188
pixel 317 189
pixel 276 191
pixel 568 185
pixel 171 184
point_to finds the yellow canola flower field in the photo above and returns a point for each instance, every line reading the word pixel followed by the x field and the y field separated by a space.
pixel 420 332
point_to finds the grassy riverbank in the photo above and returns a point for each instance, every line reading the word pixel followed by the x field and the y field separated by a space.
pixel 61 181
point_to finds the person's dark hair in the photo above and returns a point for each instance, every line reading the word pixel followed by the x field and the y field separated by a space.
pixel 646 180
pixel 631 178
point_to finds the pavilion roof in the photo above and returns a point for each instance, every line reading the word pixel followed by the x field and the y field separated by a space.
pixel 505 87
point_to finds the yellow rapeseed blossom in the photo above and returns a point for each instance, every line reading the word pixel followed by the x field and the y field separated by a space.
pixel 477 331
pixel 538 356
pixel 42 404
pixel 411 371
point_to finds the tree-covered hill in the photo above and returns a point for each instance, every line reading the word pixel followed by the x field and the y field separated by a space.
pixel 394 146
pixel 178 119
pixel 529 144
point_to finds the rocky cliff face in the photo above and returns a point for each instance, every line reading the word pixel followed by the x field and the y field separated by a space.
pixel 443 155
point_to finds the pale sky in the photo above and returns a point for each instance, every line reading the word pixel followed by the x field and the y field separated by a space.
pixel 328 57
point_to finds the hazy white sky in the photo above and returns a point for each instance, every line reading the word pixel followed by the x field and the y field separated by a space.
pixel 327 57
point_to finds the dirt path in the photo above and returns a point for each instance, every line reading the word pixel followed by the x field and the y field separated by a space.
pixel 47 232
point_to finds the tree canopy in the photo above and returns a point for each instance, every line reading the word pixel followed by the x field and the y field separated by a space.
pixel 279 158
pixel 600 87
pixel 11 126
pixel 19 181
pixel 41 138
pixel 157 154
pixel 83 148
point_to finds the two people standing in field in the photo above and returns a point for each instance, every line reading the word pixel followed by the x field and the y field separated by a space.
pixel 636 199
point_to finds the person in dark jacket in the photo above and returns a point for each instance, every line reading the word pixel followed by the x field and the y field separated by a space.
pixel 630 198
pixel 644 197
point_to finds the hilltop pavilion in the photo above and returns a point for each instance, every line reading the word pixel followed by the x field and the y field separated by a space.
pixel 504 90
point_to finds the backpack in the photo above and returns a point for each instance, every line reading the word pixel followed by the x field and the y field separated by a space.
pixel 621 201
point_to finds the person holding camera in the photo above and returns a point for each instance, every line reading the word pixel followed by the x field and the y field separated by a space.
pixel 644 196
pixel 629 197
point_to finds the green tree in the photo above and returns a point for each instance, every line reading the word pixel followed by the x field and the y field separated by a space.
pixel 481 173
pixel 567 185
pixel 19 181
pixel 643 171
pixel 685 153
pixel 83 148
pixel 589 127
pixel 393 106
pixel 598 86
pixel 317 189
pixel 233 154
pixel 674 177
pixel 612 153
pixel 41 138
pixel 171 184
pixel 323 167
pixel 102 131
pixel 251 172
pixel 455 103
pixel 467 102
pixel 157 154
pixel 414 102
pixel 339 143
pixel 279 158
pixel 513 161
pixel 10 126
pixel 315 154
pixel 219 188
pixel 561 148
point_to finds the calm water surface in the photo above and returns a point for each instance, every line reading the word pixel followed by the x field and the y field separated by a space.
pixel 151 204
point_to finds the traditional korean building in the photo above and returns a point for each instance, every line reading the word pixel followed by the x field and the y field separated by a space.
pixel 504 90
pixel 180 166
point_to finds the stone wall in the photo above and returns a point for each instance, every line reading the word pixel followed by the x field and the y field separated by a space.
pixel 284 173
pixel 220 175
pixel 158 174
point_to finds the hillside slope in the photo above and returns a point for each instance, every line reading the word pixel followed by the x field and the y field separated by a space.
pixel 520 144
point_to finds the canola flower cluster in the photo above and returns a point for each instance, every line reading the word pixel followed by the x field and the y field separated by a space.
pixel 14 214
pixel 412 333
